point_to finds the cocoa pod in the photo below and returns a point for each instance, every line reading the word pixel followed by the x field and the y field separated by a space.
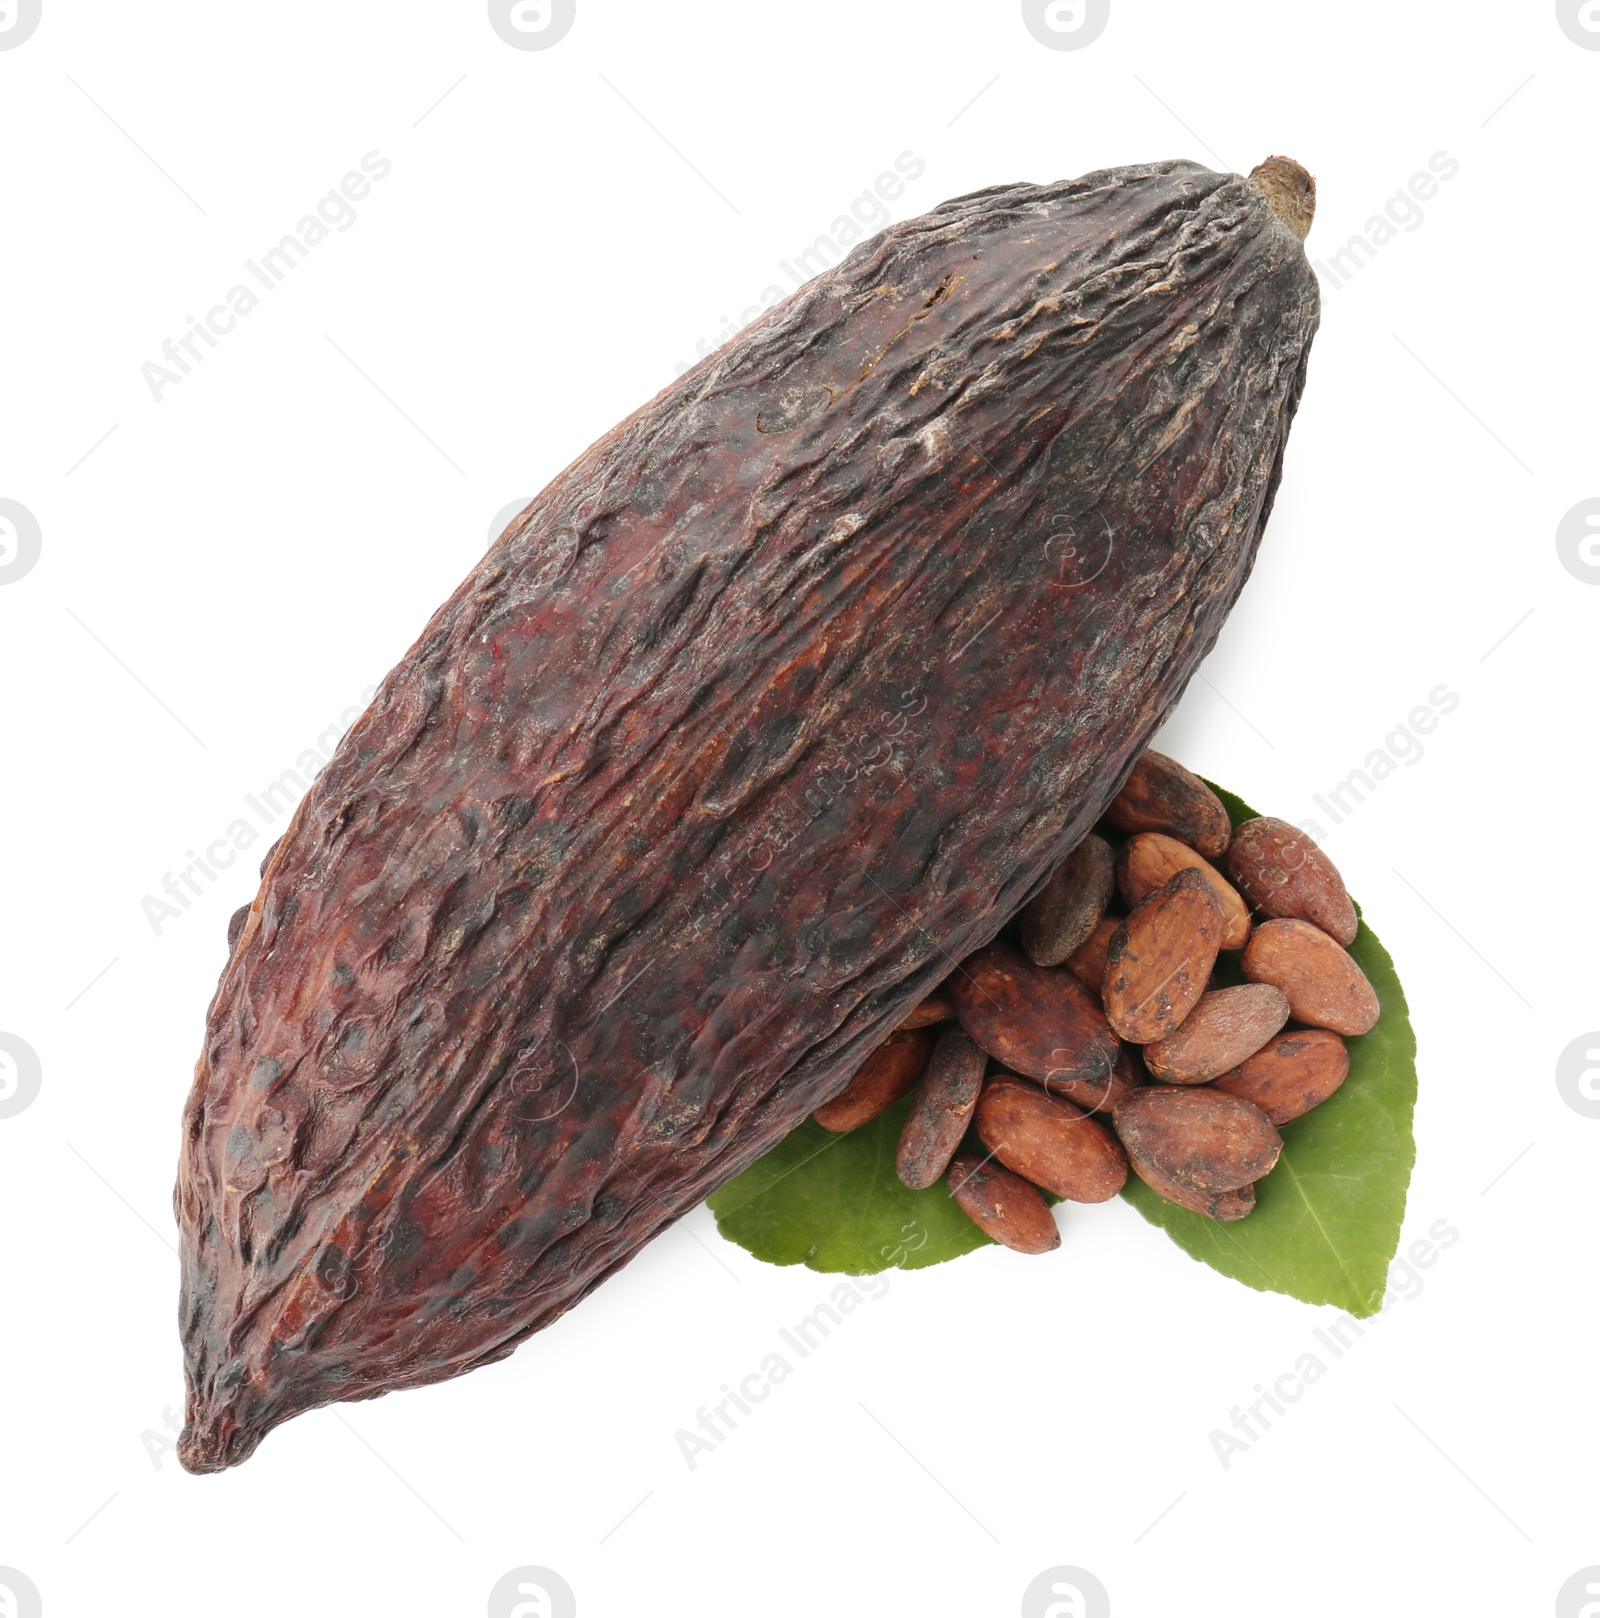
pixel 1088 962
pixel 1324 985
pixel 1224 1206
pixel 1225 1027
pixel 1291 1074
pixel 1283 873
pixel 1050 1142
pixel 1201 1139
pixel 944 1105
pixel 1036 1019
pixel 622 873
pixel 937 1008
pixel 1002 1205
pixel 1160 795
pixel 1065 911
pixel 1151 859
pixel 1160 958
pixel 879 1082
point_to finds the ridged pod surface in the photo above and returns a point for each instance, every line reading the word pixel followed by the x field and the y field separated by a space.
pixel 784 696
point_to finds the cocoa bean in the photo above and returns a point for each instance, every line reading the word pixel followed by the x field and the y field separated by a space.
pixel 1291 1074
pixel 1223 1206
pixel 1036 1019
pixel 1201 1139
pixel 1283 873
pixel 1050 1142
pixel 1160 795
pixel 1093 1095
pixel 945 1102
pixel 1324 985
pixel 1160 957
pixel 1102 1095
pixel 1002 1205
pixel 1088 962
pixel 879 1082
pixel 937 1008
pixel 1225 1027
pixel 1065 911
pixel 1151 860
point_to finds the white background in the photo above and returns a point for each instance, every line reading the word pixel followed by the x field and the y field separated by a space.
pixel 230 568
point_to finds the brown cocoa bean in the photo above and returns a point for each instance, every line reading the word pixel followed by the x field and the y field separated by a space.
pixel 1291 1074
pixel 1151 860
pixel 1223 1206
pixel 1093 1095
pixel 1104 1095
pixel 1160 957
pixel 1225 1027
pixel 1064 912
pixel 1283 873
pixel 1050 1142
pixel 938 1007
pixel 879 1082
pixel 1160 795
pixel 1088 962
pixel 1325 987
pixel 1036 1019
pixel 944 1104
pixel 1201 1139
pixel 1002 1204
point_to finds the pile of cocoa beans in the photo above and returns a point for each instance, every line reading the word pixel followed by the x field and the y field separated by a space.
pixel 1144 1010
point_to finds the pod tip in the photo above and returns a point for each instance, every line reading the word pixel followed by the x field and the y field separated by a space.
pixel 1291 189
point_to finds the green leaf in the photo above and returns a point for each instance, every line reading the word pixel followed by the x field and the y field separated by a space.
pixel 835 1202
pixel 1327 1219
pixel 1324 1229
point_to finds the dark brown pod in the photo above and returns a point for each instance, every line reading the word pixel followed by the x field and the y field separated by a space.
pixel 1160 958
pixel 1088 962
pixel 945 1102
pixel 1002 1205
pixel 1201 1139
pixel 1224 1206
pixel 879 1082
pixel 1036 1019
pixel 1283 873
pixel 1225 1027
pixel 806 674
pixel 1062 915
pixel 1291 1074
pixel 1050 1142
pixel 937 1008
pixel 1160 795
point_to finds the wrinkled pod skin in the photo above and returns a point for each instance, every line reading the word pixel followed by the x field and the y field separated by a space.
pixel 784 696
